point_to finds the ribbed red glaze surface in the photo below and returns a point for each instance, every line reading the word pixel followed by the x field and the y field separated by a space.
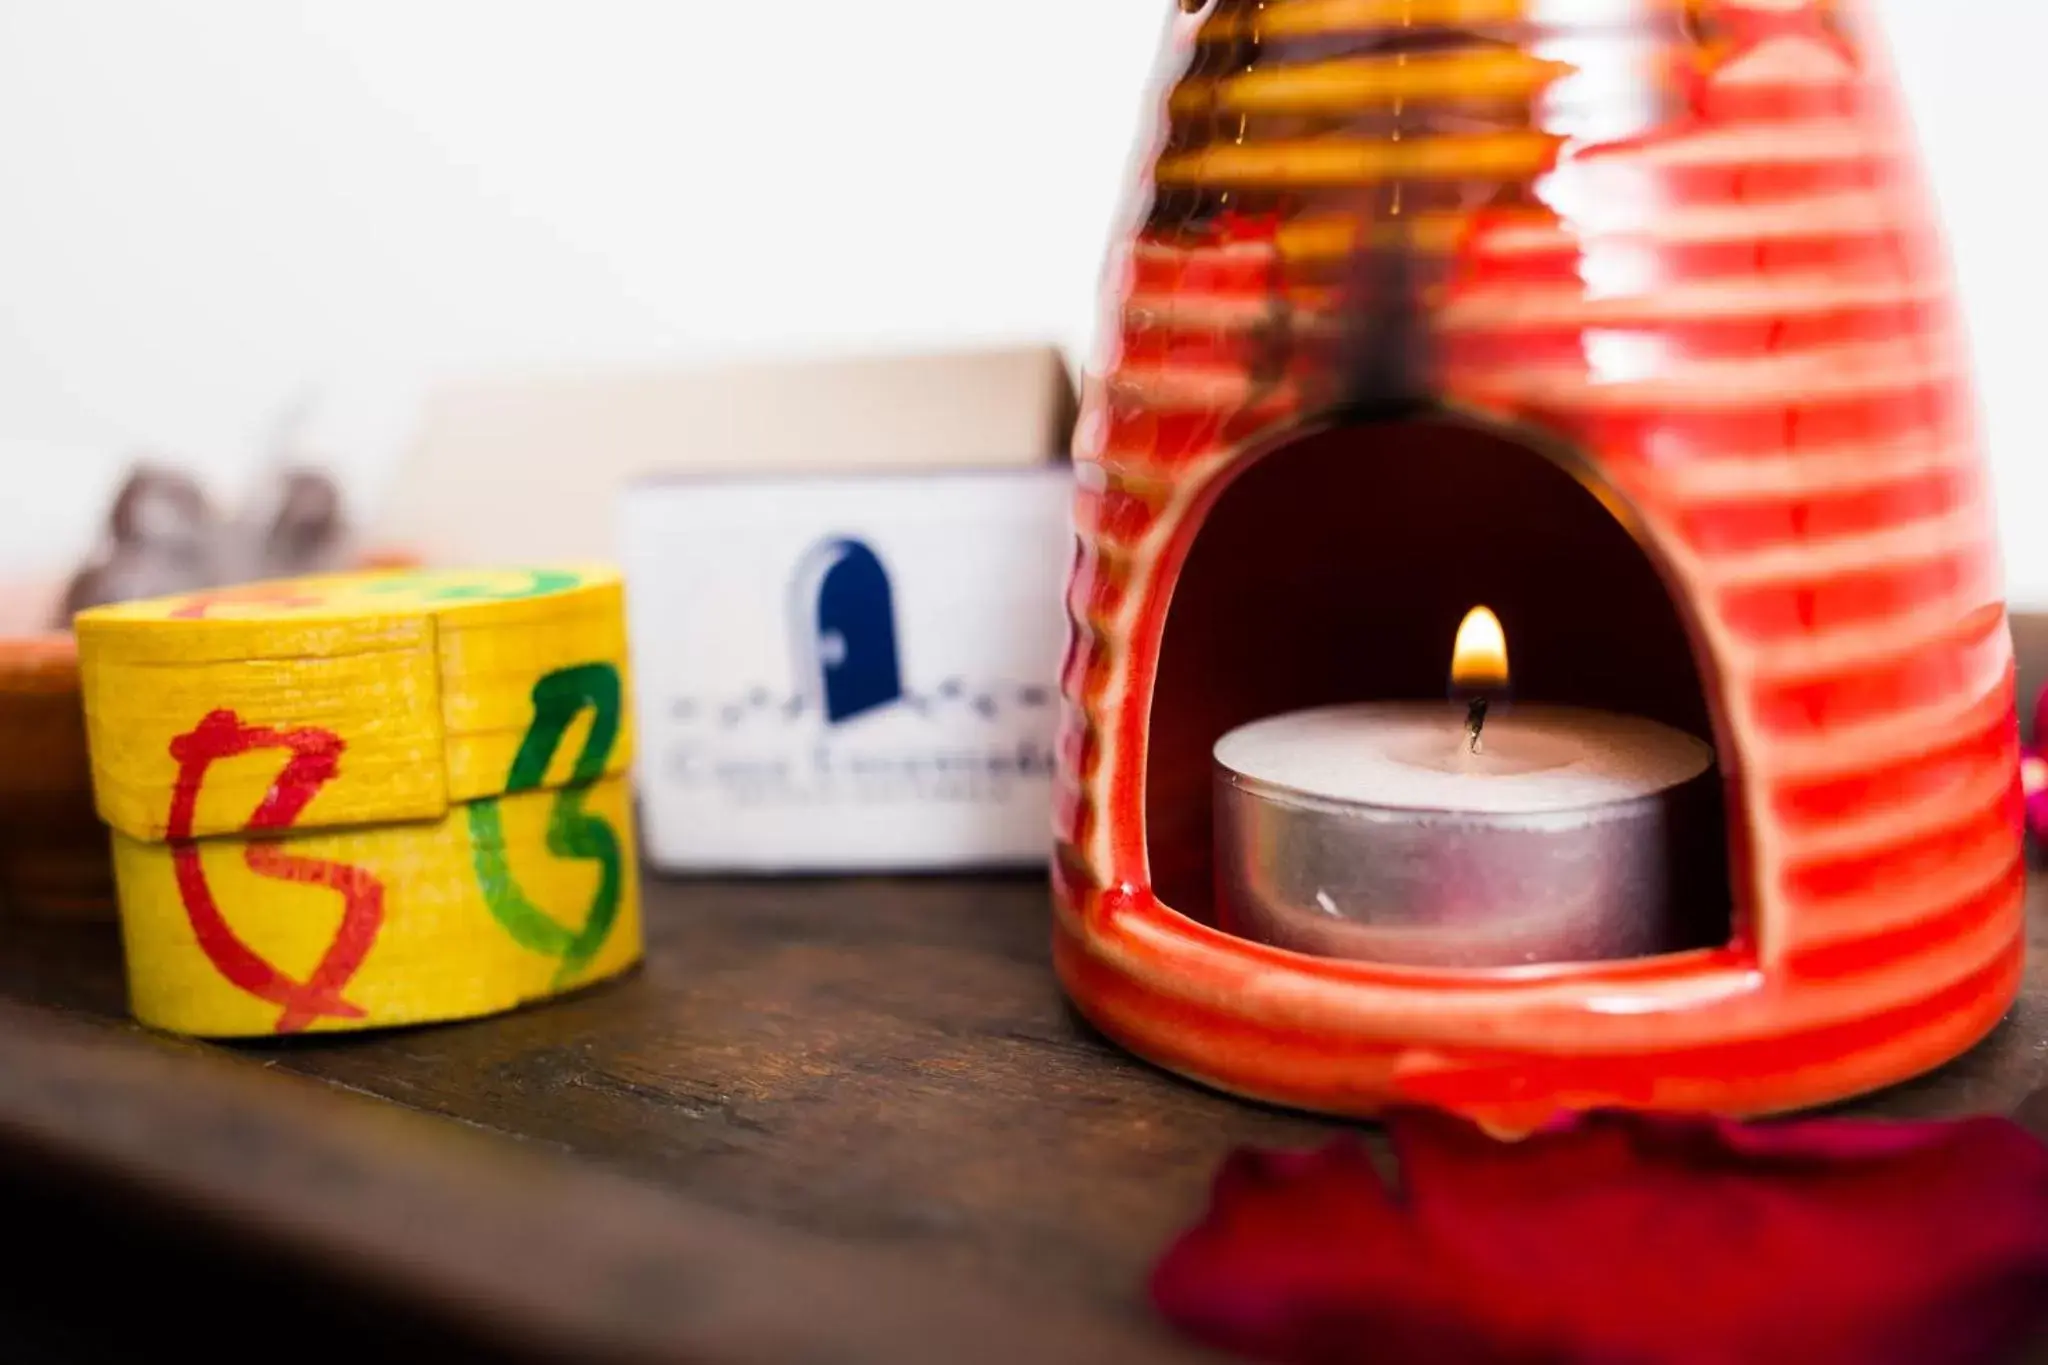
pixel 1738 312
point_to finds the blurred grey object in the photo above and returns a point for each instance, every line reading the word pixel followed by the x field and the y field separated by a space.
pixel 164 535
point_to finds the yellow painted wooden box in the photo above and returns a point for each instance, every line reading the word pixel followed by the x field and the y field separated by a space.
pixel 365 800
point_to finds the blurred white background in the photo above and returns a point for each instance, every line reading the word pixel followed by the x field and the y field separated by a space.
pixel 215 215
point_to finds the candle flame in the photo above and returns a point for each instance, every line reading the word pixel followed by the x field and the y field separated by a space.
pixel 1479 663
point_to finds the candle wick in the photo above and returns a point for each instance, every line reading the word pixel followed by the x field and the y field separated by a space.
pixel 1475 723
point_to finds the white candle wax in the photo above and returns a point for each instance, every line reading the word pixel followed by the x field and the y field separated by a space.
pixel 1416 756
pixel 1374 831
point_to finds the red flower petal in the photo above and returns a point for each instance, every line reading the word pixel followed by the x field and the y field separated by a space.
pixel 2034 792
pixel 1627 1240
pixel 2034 771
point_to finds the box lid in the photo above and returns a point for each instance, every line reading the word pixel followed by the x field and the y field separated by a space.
pixel 352 699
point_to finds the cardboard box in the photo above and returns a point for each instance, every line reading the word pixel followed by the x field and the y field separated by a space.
pixel 530 470
pixel 839 674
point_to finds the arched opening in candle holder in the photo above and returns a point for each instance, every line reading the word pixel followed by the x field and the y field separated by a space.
pixel 1336 567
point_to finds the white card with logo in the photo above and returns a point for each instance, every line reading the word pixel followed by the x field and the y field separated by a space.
pixel 851 674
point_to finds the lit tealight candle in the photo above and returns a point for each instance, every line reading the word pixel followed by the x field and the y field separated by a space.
pixel 1477 836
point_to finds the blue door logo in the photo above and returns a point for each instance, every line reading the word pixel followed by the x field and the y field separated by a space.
pixel 845 625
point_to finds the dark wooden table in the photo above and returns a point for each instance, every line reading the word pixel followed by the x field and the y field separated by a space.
pixel 830 1121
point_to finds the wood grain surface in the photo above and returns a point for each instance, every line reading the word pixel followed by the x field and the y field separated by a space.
pixel 830 1120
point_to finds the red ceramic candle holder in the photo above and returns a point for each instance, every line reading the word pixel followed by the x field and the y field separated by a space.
pixel 1629 318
